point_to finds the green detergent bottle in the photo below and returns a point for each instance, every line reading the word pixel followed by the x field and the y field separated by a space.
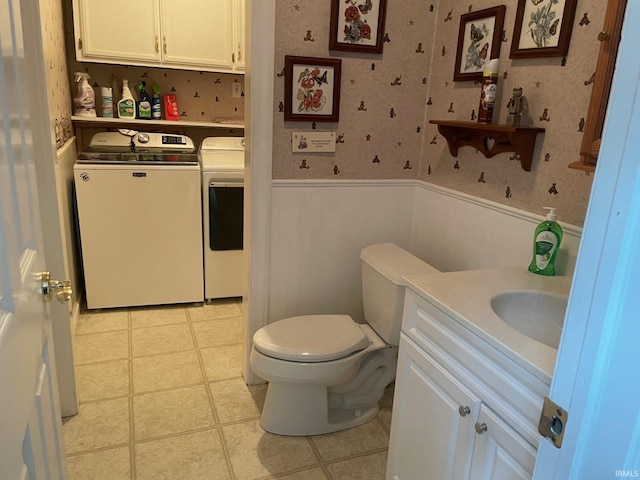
pixel 546 243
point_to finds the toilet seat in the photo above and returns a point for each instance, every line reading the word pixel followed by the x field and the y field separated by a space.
pixel 311 338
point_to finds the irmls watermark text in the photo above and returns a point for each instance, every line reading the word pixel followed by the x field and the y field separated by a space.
pixel 627 474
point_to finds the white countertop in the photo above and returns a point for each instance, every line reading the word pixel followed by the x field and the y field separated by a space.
pixel 465 297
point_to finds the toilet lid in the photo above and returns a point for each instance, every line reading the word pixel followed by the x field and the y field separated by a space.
pixel 311 338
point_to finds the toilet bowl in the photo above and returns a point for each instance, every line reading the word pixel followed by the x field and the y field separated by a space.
pixel 327 373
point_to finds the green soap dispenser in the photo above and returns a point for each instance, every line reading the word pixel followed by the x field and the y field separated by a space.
pixel 546 244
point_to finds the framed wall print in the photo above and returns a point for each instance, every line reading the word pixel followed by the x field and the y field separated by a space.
pixel 479 40
pixel 312 89
pixel 543 28
pixel 357 27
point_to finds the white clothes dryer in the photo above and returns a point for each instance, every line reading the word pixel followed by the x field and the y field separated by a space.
pixel 222 161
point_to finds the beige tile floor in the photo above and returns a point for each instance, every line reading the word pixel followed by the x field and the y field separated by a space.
pixel 161 397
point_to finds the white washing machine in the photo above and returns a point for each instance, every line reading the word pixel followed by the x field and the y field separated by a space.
pixel 140 217
pixel 222 162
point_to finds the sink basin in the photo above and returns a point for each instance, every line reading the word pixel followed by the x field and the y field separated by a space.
pixel 538 315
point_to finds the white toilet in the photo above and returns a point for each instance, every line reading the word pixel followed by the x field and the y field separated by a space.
pixel 326 372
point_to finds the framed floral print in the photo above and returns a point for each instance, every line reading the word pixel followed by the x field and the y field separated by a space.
pixel 312 89
pixel 357 26
pixel 543 28
pixel 479 40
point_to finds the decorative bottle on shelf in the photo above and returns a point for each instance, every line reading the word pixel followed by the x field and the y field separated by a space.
pixel 489 91
pixel 546 243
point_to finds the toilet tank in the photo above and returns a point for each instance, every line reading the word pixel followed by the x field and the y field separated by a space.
pixel 383 266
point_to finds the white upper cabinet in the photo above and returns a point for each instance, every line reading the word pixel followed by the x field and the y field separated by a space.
pixel 197 32
pixel 190 34
pixel 239 46
pixel 117 30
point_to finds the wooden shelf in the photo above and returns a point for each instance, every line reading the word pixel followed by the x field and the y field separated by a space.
pixel 490 139
pixel 585 167
pixel 98 122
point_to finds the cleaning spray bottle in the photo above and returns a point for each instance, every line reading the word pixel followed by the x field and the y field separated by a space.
pixel 156 103
pixel 546 243
pixel 84 103
pixel 144 106
pixel 126 106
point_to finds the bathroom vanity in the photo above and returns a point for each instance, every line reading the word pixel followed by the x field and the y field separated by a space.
pixel 469 386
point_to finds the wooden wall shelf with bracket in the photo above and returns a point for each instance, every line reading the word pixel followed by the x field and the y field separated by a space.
pixel 490 139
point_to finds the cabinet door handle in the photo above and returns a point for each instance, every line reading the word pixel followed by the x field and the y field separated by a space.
pixel 239 53
pixel 464 411
pixel 164 44
pixel 481 428
pixel 157 44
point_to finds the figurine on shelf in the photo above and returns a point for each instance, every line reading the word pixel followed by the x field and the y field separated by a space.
pixel 517 105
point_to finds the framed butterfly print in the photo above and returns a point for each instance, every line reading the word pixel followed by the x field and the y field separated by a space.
pixel 479 40
pixel 357 25
pixel 543 28
pixel 312 89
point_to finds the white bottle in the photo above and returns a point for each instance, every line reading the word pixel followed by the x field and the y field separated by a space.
pixel 126 106
pixel 84 103
pixel 107 102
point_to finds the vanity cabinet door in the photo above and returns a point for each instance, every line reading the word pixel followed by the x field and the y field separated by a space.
pixel 433 420
pixel 500 453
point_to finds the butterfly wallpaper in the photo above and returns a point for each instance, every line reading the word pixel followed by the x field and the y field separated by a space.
pixel 387 100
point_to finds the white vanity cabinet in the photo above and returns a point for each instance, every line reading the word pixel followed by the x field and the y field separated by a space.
pixel 190 34
pixel 462 409
pixel 500 452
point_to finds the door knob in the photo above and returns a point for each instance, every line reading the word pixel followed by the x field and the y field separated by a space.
pixel 481 428
pixel 48 286
pixel 603 36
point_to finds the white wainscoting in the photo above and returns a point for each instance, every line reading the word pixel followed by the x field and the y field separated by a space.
pixel 65 159
pixel 453 231
pixel 319 227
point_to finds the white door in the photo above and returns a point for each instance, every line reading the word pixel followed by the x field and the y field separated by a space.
pixel 596 373
pixel 31 430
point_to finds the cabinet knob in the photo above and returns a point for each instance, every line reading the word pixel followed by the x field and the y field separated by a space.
pixel 464 411
pixel 603 36
pixel 481 428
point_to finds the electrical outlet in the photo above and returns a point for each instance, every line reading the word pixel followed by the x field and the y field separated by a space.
pixel 236 90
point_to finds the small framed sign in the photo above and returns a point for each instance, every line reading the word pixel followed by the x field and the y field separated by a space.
pixel 312 89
